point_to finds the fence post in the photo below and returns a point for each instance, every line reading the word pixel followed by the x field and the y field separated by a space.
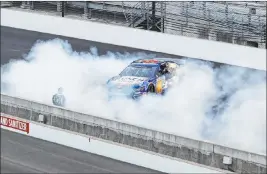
pixel 86 11
pixel 163 10
pixel 226 14
pixel 63 8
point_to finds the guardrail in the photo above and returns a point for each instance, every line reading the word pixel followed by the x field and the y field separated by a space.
pixel 201 152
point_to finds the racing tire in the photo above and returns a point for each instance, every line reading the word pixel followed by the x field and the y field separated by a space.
pixel 151 89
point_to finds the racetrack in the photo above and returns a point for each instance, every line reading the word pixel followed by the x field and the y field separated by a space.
pixel 24 154
pixel 184 112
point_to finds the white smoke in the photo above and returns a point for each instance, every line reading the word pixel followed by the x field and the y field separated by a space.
pixel 184 111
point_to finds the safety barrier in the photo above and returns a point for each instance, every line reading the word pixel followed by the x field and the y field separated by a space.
pixel 204 153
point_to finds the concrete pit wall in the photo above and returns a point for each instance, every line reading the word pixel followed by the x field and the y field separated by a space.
pixel 191 150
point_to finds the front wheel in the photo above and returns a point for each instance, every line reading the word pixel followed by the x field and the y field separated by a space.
pixel 150 89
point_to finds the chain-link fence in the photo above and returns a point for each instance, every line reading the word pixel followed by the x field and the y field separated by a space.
pixel 229 22
pixel 233 22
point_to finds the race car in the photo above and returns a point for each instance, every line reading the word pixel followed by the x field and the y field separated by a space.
pixel 143 76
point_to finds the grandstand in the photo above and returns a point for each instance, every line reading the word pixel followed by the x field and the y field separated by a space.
pixel 233 22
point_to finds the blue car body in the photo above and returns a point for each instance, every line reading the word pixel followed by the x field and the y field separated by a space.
pixel 141 77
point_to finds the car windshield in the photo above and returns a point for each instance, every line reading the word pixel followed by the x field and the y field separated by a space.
pixel 138 71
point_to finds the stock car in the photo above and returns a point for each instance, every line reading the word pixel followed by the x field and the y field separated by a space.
pixel 144 76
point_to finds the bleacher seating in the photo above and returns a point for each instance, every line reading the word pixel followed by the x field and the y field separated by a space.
pixel 229 21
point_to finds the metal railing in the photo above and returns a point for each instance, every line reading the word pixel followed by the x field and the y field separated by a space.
pixel 233 22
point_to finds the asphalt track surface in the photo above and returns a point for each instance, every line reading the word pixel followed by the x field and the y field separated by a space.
pixel 15 43
pixel 18 151
pixel 23 154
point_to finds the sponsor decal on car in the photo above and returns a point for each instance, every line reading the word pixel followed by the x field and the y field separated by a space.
pixel 129 80
pixel 15 124
pixel 159 86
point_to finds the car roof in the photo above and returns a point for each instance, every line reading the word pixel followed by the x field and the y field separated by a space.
pixel 157 61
